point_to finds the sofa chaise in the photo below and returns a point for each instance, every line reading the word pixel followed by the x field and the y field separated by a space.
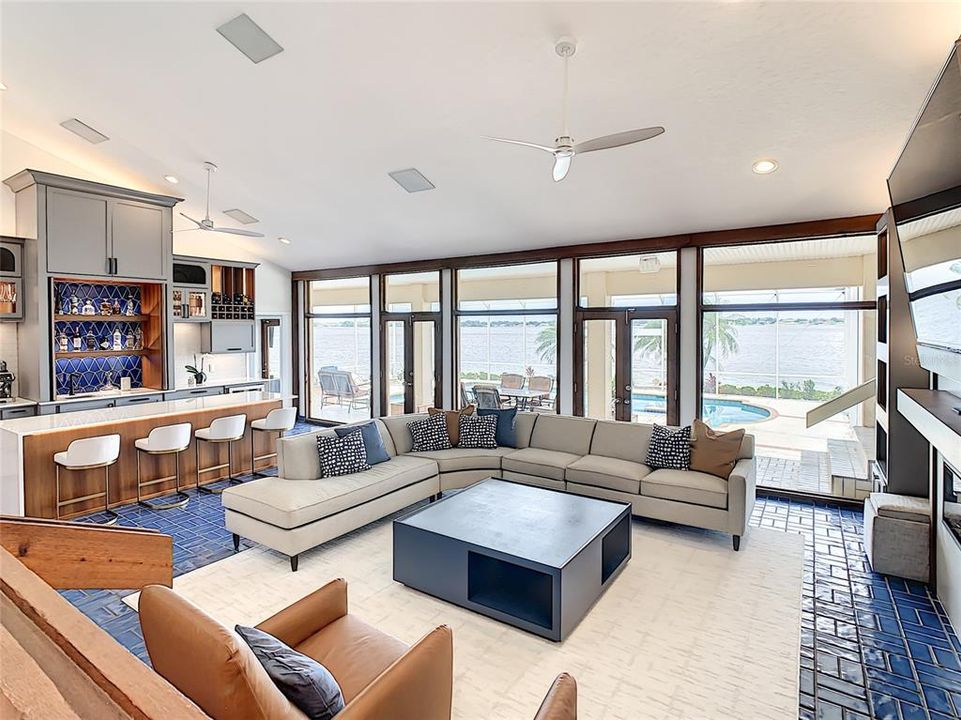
pixel 296 510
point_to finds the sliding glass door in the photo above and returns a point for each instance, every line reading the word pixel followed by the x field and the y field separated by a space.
pixel 627 365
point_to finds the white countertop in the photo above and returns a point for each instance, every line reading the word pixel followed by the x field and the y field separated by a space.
pixel 16 403
pixel 109 416
pixel 102 395
pixel 215 382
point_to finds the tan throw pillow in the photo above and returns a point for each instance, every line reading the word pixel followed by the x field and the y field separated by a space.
pixel 453 421
pixel 714 452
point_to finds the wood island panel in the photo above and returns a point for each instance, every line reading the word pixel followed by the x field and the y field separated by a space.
pixel 39 470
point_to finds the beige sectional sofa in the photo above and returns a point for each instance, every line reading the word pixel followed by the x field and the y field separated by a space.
pixel 296 511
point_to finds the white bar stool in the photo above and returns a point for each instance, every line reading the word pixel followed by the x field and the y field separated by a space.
pixel 165 440
pixel 222 430
pixel 279 420
pixel 87 454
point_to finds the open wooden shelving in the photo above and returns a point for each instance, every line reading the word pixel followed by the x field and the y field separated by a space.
pixel 101 353
pixel 100 318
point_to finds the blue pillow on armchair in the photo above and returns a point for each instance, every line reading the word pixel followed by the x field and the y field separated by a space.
pixel 506 435
pixel 373 442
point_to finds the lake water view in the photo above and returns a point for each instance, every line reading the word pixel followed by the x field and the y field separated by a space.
pixel 766 354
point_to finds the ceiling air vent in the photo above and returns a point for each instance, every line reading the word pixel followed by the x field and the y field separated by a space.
pixel 248 37
pixel 411 180
pixel 84 131
pixel 241 217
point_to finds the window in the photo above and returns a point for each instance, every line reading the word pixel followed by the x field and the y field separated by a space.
pixel 785 328
pixel 507 335
pixel 628 281
pixel 412 292
pixel 339 349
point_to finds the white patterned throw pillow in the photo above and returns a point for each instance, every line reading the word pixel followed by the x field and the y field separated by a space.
pixel 342 455
pixel 430 433
pixel 478 431
pixel 670 448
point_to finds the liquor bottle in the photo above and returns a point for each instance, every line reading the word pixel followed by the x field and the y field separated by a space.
pixel 130 340
pixel 77 339
pixel 116 307
pixel 117 339
pixel 62 342
pixel 91 340
pixel 138 339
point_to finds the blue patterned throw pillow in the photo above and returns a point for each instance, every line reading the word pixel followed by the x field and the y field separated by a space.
pixel 304 681
pixel 670 448
pixel 430 433
pixel 342 455
pixel 478 431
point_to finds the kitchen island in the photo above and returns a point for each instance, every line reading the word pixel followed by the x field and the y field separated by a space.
pixel 27 447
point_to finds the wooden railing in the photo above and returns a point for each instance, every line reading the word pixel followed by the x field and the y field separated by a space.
pixel 56 662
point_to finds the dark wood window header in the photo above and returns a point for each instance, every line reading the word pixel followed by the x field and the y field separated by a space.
pixel 837 227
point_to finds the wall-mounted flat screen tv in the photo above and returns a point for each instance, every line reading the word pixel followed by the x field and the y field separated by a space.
pixel 925 188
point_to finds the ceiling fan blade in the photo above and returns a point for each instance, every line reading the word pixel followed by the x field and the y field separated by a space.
pixel 237 231
pixel 521 142
pixel 200 225
pixel 562 164
pixel 618 139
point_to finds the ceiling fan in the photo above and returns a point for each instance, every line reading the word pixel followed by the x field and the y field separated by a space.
pixel 207 223
pixel 565 148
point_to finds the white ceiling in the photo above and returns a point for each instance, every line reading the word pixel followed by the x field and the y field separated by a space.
pixel 304 140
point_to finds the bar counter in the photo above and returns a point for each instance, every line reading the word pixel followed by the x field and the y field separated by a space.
pixel 27 447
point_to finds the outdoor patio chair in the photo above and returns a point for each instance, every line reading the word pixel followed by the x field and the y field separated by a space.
pixel 488 397
pixel 465 395
pixel 538 383
pixel 512 381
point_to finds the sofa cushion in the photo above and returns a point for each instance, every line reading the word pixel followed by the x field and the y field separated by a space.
pixel 453 421
pixel 524 428
pixel 342 454
pixel 624 440
pixel 399 432
pixel 714 452
pixel 608 472
pixel 901 507
pixel 563 434
pixel 297 457
pixel 456 459
pixel 303 680
pixel 686 486
pixel 535 461
pixel 506 435
pixel 429 433
pixel 373 440
pixel 292 503
pixel 478 432
pixel 669 448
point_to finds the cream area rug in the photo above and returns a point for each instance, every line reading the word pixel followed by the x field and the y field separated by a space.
pixel 690 629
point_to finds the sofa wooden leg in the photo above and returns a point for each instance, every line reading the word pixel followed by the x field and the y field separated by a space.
pixel 293 563
pixel 737 543
pixel 236 542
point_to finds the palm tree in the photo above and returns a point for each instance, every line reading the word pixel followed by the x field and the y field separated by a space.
pixel 547 344
pixel 718 329
pixel 653 344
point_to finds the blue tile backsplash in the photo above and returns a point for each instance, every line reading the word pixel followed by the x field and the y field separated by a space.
pixel 91 373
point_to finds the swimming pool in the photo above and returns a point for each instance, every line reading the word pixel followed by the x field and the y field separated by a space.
pixel 716 410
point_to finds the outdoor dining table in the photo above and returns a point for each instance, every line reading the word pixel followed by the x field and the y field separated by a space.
pixel 523 396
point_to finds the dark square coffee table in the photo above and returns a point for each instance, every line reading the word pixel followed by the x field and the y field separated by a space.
pixel 534 558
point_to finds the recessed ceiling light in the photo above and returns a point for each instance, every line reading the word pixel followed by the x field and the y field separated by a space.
pixel 241 217
pixel 412 180
pixel 84 131
pixel 2 86
pixel 764 167
pixel 284 240
pixel 248 37
pixel 171 179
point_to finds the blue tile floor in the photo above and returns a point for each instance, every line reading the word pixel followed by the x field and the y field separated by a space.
pixel 871 646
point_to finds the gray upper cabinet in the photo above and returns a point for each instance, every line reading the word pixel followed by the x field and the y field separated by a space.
pixel 137 232
pixel 228 336
pixel 77 238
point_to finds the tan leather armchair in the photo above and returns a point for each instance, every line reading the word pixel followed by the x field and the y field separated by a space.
pixel 561 700
pixel 379 675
